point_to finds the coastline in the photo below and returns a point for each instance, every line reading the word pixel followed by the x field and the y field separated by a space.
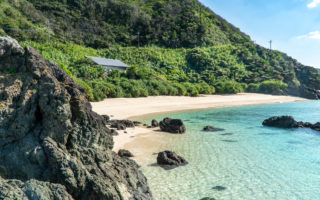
pixel 144 142
pixel 135 108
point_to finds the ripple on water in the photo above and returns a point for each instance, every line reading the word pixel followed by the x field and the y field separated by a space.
pixel 249 161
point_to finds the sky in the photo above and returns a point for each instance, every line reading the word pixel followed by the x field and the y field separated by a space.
pixel 292 25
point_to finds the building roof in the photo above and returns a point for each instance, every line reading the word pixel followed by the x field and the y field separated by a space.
pixel 108 62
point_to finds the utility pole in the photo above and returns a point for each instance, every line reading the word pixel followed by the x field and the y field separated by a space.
pixel 270 44
pixel 138 39
pixel 48 28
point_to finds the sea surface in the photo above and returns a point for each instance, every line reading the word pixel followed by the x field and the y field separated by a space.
pixel 245 161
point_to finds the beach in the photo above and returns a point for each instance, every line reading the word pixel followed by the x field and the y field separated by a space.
pixel 142 141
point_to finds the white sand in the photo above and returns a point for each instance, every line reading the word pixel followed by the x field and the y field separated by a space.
pixel 142 141
pixel 124 108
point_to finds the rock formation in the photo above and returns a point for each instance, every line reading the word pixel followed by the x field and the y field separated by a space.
pixel 125 153
pixel 281 122
pixel 154 123
pixel 289 122
pixel 121 124
pixel 169 159
pixel 211 128
pixel 52 145
pixel 172 125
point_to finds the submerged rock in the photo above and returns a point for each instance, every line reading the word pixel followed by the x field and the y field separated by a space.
pixel 219 188
pixel 172 125
pixel 169 159
pixel 125 153
pixel 52 145
pixel 213 129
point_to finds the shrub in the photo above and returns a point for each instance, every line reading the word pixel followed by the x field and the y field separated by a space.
pixel 272 86
pixel 253 87
pixel 228 87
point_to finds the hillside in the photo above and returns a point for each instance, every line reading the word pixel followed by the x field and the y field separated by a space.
pixel 175 47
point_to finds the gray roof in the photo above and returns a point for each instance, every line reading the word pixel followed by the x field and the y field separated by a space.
pixel 108 62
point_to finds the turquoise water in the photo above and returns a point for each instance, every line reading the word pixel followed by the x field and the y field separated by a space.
pixel 249 160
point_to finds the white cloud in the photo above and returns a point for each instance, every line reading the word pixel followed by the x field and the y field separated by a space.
pixel 315 35
pixel 313 4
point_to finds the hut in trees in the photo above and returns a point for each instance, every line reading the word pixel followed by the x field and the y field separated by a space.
pixel 109 64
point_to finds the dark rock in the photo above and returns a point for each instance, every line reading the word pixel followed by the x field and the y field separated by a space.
pixel 169 159
pixel 114 132
pixel 172 125
pixel 125 132
pixel 136 123
pixel 219 188
pixel 121 127
pixel 226 134
pixel 289 122
pixel 308 125
pixel 303 90
pixel 121 124
pixel 124 153
pixel 52 145
pixel 154 123
pixel 149 126
pixel 316 126
pixel 281 122
pixel 208 198
pixel 213 129
pixel 106 118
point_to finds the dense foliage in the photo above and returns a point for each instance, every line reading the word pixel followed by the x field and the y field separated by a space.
pixel 163 71
pixel 174 47
pixel 104 23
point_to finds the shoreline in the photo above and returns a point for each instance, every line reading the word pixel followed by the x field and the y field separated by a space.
pixel 144 142
pixel 135 108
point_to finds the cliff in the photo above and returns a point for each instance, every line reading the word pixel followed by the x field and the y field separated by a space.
pixel 52 145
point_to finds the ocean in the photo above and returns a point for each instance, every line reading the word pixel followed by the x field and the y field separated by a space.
pixel 246 161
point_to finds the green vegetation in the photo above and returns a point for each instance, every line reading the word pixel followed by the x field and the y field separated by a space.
pixel 174 47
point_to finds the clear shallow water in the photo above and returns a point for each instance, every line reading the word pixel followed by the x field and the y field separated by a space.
pixel 249 160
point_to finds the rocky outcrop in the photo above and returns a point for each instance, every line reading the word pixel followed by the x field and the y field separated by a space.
pixel 121 124
pixel 281 122
pixel 125 153
pixel 154 123
pixel 172 126
pixel 289 122
pixel 52 145
pixel 213 129
pixel 169 159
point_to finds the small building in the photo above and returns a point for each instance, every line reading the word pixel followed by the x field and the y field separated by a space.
pixel 109 64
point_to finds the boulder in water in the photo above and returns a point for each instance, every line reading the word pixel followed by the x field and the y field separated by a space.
pixel 281 122
pixel 211 128
pixel 169 159
pixel 172 126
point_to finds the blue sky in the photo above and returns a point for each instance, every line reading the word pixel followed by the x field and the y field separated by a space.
pixel 292 25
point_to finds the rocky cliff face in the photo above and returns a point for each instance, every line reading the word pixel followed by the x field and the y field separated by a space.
pixel 52 145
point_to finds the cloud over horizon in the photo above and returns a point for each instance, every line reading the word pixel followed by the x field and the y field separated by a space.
pixel 314 35
pixel 314 4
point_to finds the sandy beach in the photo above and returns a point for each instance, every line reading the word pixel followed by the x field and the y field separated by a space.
pixel 128 108
pixel 142 141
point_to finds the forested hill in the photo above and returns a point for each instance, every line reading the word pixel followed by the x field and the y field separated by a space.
pixel 175 47
pixel 103 23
